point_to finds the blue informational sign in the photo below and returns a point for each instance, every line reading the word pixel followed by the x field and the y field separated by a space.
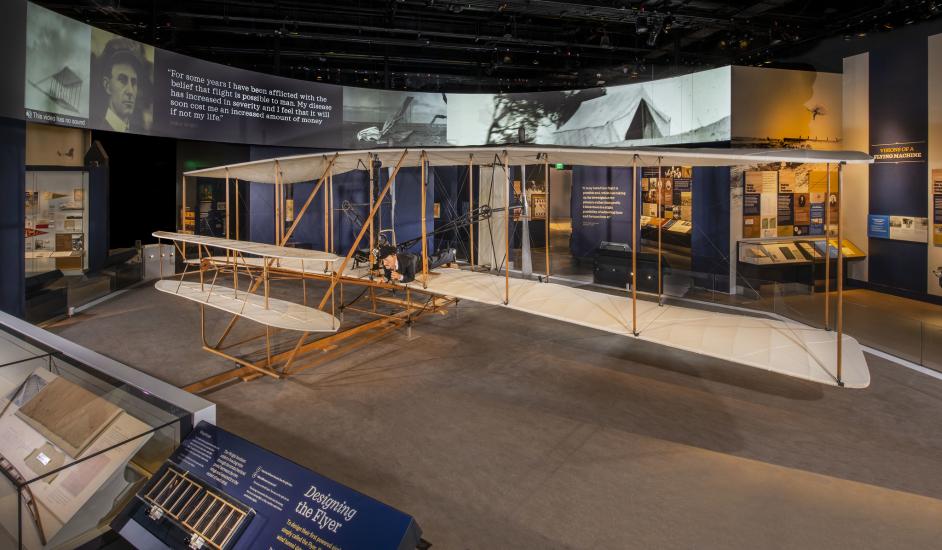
pixel 817 219
pixel 878 226
pixel 683 184
pixel 293 506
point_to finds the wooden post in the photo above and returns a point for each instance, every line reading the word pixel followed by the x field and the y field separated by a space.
pixel 237 208
pixel 183 215
pixel 840 270
pixel 227 203
pixel 265 278
pixel 370 257
pixel 183 207
pixel 199 256
pixel 471 206
pixel 356 242
pixel 424 175
pixel 277 200
pixel 326 218
pixel 546 217
pixel 827 250
pixel 659 236
pixel 330 209
pixel 634 251
pixel 508 191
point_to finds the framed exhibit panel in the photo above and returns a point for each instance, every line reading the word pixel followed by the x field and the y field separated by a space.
pixel 56 221
pixel 76 441
pixel 219 491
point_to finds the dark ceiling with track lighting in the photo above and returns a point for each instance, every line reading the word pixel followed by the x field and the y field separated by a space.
pixel 487 45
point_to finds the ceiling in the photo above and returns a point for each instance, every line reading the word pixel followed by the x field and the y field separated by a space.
pixel 488 45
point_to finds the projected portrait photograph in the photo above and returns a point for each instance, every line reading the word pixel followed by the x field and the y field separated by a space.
pixel 383 118
pixel 57 68
pixel 122 84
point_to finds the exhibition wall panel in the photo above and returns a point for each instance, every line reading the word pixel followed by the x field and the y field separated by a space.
pixel 711 221
pixel 12 215
pixel 934 271
pixel 12 159
pixel 898 135
pixel 856 136
pixel 601 207
pixel 786 108
pixel 693 108
pixel 81 76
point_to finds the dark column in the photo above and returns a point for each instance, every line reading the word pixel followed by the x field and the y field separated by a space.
pixel 12 216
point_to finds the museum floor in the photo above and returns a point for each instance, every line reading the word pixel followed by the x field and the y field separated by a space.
pixel 498 429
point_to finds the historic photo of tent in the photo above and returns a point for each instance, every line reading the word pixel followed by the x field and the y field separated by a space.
pixel 57 64
pixel 692 108
pixel 390 118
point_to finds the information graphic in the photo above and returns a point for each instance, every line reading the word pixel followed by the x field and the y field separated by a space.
pixel 898 228
pixel 292 507
pixel 601 203
pixel 81 76
pixel 198 99
pixel 937 207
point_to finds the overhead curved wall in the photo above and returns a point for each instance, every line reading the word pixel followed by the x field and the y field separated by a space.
pixel 81 76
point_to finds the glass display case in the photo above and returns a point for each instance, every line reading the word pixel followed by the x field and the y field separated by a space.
pixel 794 251
pixel 56 221
pixel 79 435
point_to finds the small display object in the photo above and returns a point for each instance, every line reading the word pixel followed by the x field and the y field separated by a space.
pixel 75 443
pixel 793 251
pixel 219 491
pixel 681 226
pixel 537 206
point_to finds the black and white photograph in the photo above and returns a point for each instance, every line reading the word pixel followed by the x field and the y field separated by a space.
pixel 122 83
pixel 686 109
pixel 57 65
pixel 387 118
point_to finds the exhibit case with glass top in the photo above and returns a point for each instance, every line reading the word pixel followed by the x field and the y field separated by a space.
pixel 79 435
pixel 794 251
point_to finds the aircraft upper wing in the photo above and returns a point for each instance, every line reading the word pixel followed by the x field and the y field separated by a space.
pixel 249 247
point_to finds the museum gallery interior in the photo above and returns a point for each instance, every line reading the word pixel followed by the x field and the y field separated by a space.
pixel 411 274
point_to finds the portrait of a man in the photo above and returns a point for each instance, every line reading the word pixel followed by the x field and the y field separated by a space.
pixel 122 80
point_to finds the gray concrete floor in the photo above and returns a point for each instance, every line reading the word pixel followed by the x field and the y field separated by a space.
pixel 498 429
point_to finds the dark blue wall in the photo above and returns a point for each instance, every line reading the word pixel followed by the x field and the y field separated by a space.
pixel 710 237
pixel 899 113
pixel 12 216
pixel 12 159
pixel 709 242
pixel 586 233
pixel 409 206
pixel 350 186
pixel 99 227
pixel 261 201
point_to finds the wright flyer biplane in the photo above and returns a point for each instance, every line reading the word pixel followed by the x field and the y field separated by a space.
pixel 339 300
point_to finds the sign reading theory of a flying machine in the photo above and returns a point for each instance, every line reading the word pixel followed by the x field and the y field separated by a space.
pixel 219 491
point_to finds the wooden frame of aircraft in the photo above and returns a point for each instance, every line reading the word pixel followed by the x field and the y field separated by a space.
pixel 263 262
